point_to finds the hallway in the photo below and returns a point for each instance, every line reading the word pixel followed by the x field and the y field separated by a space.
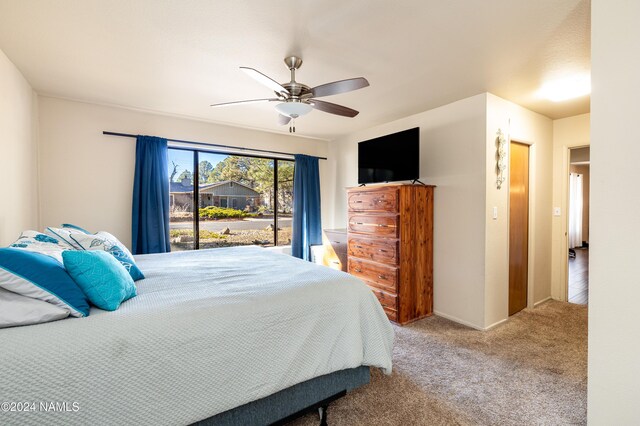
pixel 579 277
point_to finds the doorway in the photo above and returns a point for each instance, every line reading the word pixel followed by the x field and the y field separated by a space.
pixel 518 226
pixel 578 231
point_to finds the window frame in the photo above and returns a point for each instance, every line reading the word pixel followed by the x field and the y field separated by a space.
pixel 196 187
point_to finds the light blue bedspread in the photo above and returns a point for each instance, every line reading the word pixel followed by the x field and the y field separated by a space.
pixel 209 330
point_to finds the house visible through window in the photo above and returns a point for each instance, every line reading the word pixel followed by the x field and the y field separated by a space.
pixel 239 200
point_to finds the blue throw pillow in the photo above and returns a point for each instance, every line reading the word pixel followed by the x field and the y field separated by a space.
pixel 41 277
pixel 105 241
pixel 101 277
pixel 77 228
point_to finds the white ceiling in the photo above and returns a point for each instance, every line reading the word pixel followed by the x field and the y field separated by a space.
pixel 180 56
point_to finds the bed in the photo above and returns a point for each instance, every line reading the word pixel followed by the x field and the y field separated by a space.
pixel 210 333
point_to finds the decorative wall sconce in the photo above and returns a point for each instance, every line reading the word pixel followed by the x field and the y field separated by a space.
pixel 501 158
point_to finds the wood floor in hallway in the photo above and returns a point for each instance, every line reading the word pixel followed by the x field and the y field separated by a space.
pixel 579 277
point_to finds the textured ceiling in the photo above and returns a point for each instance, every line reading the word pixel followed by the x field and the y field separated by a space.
pixel 180 56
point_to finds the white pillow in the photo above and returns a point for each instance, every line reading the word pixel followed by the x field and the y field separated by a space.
pixel 77 239
pixel 64 236
pixel 41 243
pixel 16 309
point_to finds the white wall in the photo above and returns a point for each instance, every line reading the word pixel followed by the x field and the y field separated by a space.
pixel 520 125
pixel 457 153
pixel 614 281
pixel 567 133
pixel 18 153
pixel 452 150
pixel 87 178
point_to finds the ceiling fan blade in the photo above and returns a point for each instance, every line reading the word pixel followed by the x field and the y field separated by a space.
pixel 341 86
pixel 333 108
pixel 283 119
pixel 250 101
pixel 263 79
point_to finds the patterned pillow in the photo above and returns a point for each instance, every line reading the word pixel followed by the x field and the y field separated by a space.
pixel 64 236
pixel 40 243
pixel 107 242
pixel 113 238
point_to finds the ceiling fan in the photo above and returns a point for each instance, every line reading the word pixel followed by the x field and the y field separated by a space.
pixel 297 99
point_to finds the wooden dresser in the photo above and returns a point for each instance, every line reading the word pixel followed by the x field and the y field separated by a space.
pixel 390 246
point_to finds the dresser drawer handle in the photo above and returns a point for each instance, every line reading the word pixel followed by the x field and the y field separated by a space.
pixel 382 277
pixel 359 223
pixel 357 270
pixel 381 225
pixel 382 250
pixel 359 201
pixel 359 247
pixel 379 201
pixel 337 242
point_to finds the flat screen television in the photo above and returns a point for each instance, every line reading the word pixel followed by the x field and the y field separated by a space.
pixel 390 158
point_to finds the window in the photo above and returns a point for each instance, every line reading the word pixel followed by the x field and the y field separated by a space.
pixel 285 201
pixel 242 200
pixel 181 199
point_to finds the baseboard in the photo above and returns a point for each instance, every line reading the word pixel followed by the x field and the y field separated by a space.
pixel 540 302
pixel 467 323
pixel 458 320
pixel 489 327
pixel 495 324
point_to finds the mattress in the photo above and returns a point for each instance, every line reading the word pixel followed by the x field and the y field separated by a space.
pixel 209 330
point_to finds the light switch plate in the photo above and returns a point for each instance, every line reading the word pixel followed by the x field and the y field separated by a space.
pixel 495 213
pixel 556 211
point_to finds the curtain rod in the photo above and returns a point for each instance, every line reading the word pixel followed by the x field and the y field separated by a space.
pixel 128 135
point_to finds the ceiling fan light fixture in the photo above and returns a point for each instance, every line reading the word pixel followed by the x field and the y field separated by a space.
pixel 293 109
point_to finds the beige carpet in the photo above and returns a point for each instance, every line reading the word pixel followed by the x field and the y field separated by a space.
pixel 530 370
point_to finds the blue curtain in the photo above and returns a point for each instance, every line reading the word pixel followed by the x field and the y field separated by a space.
pixel 150 224
pixel 307 227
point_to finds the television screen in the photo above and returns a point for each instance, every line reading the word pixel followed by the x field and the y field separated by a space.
pixel 390 158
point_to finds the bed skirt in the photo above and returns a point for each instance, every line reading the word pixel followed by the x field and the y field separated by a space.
pixel 287 402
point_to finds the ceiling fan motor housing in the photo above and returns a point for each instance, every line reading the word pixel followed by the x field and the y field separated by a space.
pixel 293 62
pixel 297 90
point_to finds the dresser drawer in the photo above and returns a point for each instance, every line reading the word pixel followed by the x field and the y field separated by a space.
pixel 387 300
pixel 375 274
pixel 391 314
pixel 377 225
pixel 337 240
pixel 385 251
pixel 374 201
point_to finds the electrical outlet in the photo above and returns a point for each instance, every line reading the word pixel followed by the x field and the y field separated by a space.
pixel 556 211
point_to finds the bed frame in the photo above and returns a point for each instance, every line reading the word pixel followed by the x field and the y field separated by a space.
pixel 291 403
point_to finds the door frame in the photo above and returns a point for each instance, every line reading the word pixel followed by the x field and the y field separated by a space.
pixel 531 243
pixel 566 169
